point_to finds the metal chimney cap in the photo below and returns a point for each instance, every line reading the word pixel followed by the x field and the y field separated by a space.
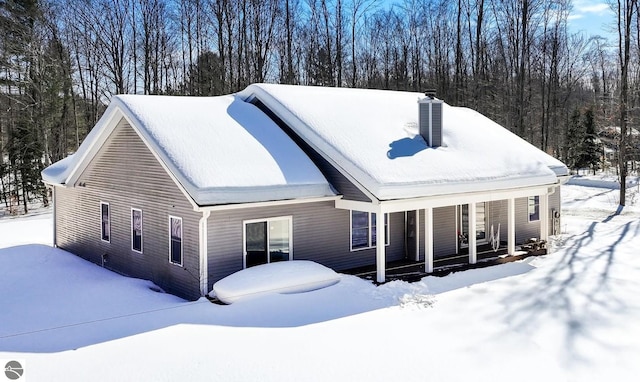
pixel 431 93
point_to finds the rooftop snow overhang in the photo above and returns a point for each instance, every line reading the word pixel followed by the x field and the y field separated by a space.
pixel 58 172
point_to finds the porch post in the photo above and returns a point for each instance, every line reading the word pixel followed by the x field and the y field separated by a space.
pixel 380 247
pixel 417 229
pixel 511 226
pixel 428 240
pixel 473 248
pixel 544 217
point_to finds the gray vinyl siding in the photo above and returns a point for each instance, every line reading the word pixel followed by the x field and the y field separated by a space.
pixel 340 182
pixel 444 232
pixel 524 228
pixel 320 233
pixel 499 216
pixel 125 174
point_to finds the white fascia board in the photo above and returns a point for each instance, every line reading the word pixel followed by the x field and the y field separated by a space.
pixel 274 203
pixel 563 179
pixel 390 206
pixel 52 184
pixel 344 204
pixel 239 195
pixel 327 152
pixel 419 190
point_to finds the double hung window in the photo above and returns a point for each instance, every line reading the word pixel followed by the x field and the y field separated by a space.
pixel 136 230
pixel 105 222
pixel 175 238
pixel 363 230
pixel 534 208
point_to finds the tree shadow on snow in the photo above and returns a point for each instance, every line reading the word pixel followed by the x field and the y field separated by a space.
pixel 577 291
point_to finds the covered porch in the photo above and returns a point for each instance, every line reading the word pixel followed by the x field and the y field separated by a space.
pixel 411 270
pixel 469 242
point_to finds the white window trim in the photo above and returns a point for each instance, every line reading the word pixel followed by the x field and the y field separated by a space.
pixel 370 238
pixel 109 220
pixel 529 213
pixel 266 220
pixel 141 230
pixel 180 264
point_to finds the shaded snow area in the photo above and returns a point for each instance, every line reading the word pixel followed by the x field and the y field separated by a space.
pixel 569 316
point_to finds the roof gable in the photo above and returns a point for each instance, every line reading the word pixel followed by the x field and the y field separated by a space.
pixel 372 135
pixel 218 149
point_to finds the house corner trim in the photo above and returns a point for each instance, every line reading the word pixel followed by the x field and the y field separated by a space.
pixel 203 253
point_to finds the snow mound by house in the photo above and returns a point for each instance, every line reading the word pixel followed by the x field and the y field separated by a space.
pixel 294 276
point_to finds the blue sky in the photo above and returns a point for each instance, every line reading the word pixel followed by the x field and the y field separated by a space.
pixel 594 17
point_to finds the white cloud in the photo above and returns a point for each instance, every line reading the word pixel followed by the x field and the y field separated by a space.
pixel 581 7
pixel 591 16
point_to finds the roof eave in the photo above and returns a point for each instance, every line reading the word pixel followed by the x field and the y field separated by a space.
pixel 254 194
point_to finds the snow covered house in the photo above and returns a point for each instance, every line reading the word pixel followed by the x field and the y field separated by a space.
pixel 187 190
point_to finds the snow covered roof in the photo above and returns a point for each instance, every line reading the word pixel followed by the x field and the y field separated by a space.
pixel 372 135
pixel 220 149
pixel 225 150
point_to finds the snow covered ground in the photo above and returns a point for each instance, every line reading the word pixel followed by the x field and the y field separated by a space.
pixel 569 316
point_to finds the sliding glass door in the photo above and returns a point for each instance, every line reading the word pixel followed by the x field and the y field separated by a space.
pixel 267 241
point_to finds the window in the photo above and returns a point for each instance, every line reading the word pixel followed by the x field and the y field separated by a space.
pixel 267 241
pixel 175 236
pixel 363 230
pixel 136 230
pixel 481 223
pixel 534 208
pixel 105 222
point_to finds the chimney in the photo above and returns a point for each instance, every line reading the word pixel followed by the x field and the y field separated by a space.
pixel 430 118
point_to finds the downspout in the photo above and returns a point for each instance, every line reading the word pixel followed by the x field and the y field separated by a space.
pixel 381 261
pixel 204 262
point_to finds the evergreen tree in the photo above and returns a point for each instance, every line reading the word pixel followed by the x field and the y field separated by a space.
pixel 205 77
pixel 574 134
pixel 590 149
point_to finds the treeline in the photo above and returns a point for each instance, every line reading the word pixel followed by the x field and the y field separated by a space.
pixel 513 60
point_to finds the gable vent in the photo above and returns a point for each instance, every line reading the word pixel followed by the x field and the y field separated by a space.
pixel 430 118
